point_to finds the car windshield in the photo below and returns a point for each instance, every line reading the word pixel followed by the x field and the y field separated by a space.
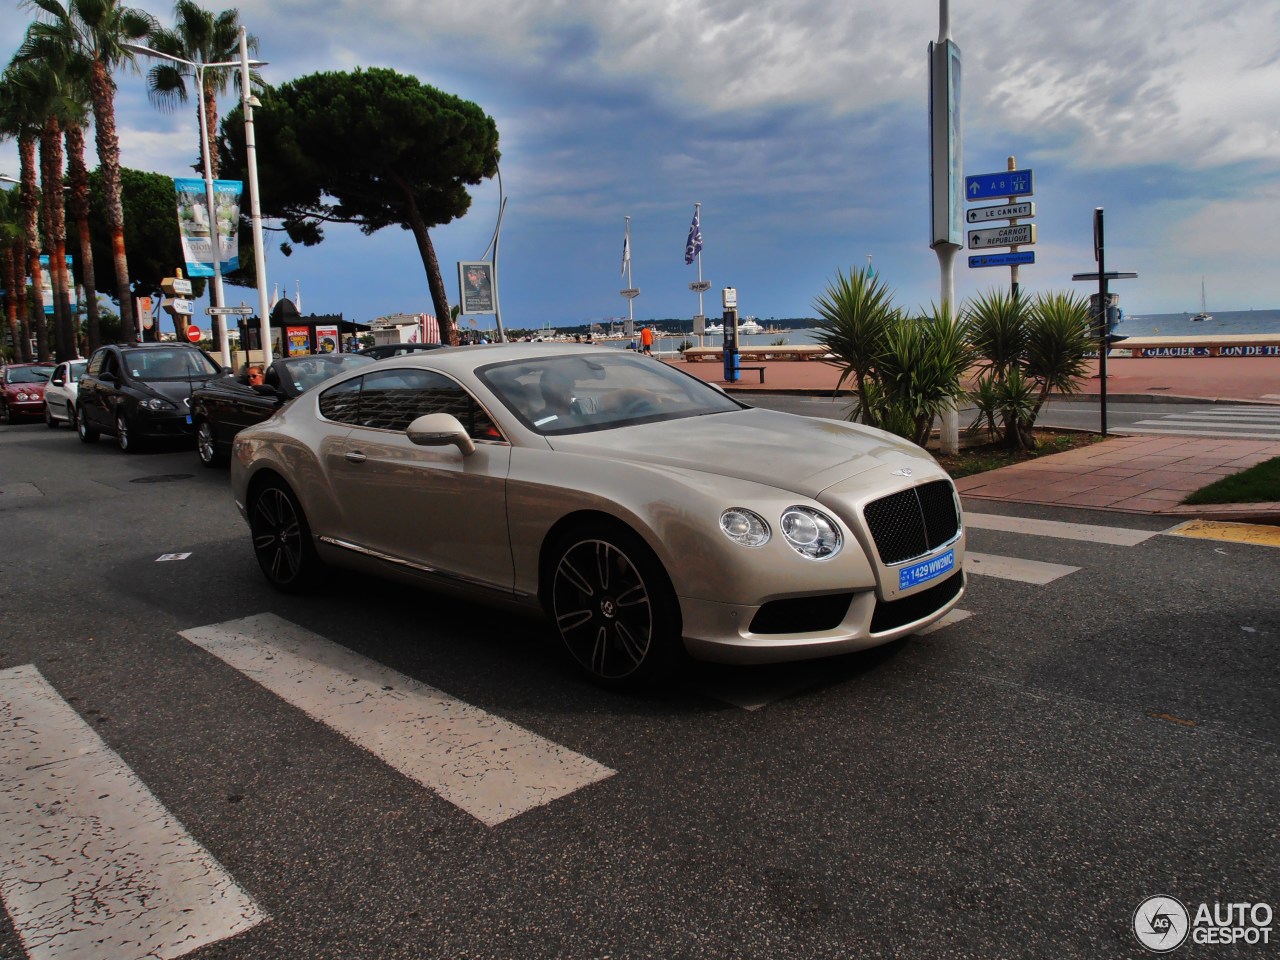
pixel 168 364
pixel 598 391
pixel 30 374
pixel 299 374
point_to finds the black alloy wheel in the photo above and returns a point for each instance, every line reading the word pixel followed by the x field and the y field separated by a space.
pixel 282 538
pixel 86 433
pixel 49 421
pixel 613 606
pixel 205 446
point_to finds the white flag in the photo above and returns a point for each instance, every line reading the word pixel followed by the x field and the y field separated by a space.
pixel 626 251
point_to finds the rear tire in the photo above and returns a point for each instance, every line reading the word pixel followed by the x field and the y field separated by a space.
pixel 86 433
pixel 49 422
pixel 613 606
pixel 282 538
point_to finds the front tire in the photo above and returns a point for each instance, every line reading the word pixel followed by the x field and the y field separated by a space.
pixel 49 421
pixel 282 538
pixel 206 447
pixel 613 605
pixel 86 433
pixel 126 440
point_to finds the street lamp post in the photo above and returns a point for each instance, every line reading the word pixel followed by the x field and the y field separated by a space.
pixel 249 101
pixel 243 63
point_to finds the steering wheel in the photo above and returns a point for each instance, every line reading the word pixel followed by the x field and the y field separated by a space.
pixel 636 404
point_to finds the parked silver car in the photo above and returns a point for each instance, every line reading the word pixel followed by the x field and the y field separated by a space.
pixel 646 513
pixel 60 393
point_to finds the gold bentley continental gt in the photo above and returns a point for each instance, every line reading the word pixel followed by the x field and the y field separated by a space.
pixel 646 513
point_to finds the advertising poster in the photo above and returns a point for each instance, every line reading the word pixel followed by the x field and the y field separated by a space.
pixel 475 280
pixel 327 339
pixel 299 340
pixel 46 282
pixel 195 226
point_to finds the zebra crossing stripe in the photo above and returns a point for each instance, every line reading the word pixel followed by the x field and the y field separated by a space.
pixel 1093 533
pixel 91 863
pixel 1198 433
pixel 482 764
pixel 1013 568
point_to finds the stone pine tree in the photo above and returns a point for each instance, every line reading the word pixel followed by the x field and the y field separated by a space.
pixel 374 148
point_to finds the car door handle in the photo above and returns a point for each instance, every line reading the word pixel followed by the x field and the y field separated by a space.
pixel 355 456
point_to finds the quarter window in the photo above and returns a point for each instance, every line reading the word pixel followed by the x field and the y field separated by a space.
pixel 340 403
pixel 393 399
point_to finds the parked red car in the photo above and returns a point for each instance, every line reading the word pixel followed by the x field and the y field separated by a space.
pixel 22 390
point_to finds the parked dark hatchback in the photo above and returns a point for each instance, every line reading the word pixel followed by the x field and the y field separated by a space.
pixel 22 390
pixel 141 392
pixel 223 407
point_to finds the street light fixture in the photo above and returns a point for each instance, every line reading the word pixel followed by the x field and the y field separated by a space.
pixel 199 68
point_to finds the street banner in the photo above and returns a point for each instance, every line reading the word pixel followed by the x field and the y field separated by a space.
pixel 299 340
pixel 194 224
pixel 46 282
pixel 327 339
pixel 475 280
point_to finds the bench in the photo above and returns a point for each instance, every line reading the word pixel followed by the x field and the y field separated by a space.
pixel 759 370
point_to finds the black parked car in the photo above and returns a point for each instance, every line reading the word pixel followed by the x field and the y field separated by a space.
pixel 382 351
pixel 141 391
pixel 223 407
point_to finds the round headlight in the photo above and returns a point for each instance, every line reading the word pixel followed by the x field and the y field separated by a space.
pixel 22 396
pixel 744 526
pixel 810 533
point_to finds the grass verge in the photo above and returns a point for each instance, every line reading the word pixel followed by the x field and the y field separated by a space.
pixel 1258 484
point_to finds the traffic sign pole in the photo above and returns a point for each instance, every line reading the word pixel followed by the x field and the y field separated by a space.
pixel 1013 267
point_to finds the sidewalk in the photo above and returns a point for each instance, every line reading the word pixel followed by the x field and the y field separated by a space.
pixel 1132 474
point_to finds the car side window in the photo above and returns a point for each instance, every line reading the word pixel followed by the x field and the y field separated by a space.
pixel 95 363
pixel 340 403
pixel 393 399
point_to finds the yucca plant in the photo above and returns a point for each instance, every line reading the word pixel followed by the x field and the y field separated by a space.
pixel 985 396
pixel 997 326
pixel 853 315
pixel 921 369
pixel 1058 343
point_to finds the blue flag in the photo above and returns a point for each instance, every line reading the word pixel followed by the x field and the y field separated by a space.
pixel 693 246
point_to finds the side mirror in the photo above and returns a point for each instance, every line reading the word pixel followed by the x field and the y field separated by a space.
pixel 57 381
pixel 440 430
pixel 107 377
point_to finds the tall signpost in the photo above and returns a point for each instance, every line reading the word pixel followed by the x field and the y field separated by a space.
pixel 945 163
pixel 1104 333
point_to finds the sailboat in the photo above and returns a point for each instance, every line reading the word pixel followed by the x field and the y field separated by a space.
pixel 1204 313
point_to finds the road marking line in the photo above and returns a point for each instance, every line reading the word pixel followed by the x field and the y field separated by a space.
pixel 1214 424
pixel 1013 568
pixel 482 764
pixel 1253 533
pixel 954 615
pixel 1199 433
pixel 91 863
pixel 1116 536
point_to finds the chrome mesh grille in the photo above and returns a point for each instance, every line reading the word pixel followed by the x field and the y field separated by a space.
pixel 912 522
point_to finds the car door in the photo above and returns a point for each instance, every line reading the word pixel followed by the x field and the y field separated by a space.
pixel 430 507
pixel 93 395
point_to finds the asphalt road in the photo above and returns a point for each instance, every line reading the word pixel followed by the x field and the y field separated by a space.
pixel 1014 784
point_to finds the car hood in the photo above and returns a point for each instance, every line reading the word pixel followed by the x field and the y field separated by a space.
pixel 27 388
pixel 176 391
pixel 802 454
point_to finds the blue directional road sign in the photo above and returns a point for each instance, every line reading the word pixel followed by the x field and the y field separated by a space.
pixel 1006 183
pixel 1002 259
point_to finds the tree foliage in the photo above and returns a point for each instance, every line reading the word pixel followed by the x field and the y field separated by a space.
pixel 374 148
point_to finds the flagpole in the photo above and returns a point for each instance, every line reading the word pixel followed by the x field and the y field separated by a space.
pixel 697 211
pixel 630 300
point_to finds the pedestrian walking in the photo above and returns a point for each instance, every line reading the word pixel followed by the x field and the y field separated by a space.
pixel 646 340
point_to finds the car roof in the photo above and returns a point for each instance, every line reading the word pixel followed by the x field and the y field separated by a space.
pixel 482 355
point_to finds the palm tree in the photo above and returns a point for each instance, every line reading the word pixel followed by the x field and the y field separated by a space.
pixel 19 120
pixel 78 210
pixel 96 30
pixel 200 37
pixel 855 313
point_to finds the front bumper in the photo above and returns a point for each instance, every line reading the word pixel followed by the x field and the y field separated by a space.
pixel 723 633
pixel 161 426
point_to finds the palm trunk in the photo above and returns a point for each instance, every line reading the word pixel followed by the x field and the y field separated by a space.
pixel 78 177
pixel 56 227
pixel 109 159
pixel 14 290
pixel 31 226
pixel 211 127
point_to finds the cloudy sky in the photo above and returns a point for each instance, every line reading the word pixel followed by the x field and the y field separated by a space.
pixel 801 127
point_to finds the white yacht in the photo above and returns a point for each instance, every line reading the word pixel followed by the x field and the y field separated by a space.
pixel 1204 313
pixel 750 326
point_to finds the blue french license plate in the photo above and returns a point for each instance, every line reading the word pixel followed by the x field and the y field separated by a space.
pixel 926 570
pixel 188 419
